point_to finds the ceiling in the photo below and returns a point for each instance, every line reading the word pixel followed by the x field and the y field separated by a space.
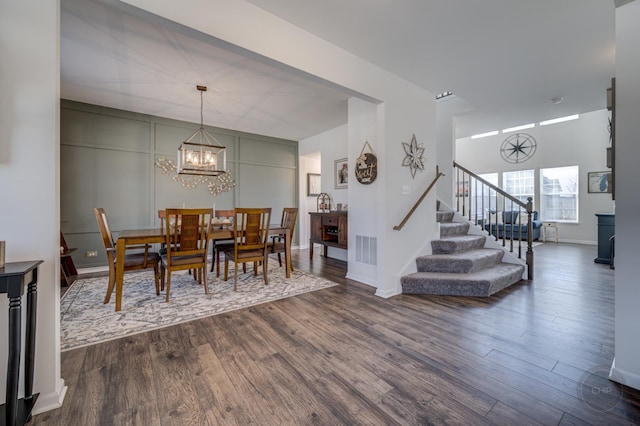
pixel 503 59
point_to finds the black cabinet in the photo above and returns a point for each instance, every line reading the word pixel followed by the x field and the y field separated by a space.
pixel 606 230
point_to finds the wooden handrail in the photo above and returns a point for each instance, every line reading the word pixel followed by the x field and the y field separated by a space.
pixel 424 194
pixel 527 206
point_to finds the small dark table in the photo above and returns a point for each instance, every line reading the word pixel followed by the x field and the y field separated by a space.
pixel 606 230
pixel 14 277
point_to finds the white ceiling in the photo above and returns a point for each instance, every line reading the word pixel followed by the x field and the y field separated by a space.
pixel 504 60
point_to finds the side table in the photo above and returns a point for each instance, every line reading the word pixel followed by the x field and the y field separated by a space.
pixel 545 228
pixel 14 277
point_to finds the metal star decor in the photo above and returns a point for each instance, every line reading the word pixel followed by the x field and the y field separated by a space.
pixel 414 159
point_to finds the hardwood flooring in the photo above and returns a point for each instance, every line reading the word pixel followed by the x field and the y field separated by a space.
pixel 344 356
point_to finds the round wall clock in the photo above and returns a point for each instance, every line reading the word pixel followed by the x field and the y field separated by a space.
pixel 518 148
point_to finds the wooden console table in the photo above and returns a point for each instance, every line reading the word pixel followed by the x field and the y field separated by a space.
pixel 14 277
pixel 330 230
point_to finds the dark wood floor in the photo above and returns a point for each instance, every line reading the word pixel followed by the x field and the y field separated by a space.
pixel 345 356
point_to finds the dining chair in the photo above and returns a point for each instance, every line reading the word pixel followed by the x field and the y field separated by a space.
pixel 251 228
pixel 133 261
pixel 220 245
pixel 288 220
pixel 187 243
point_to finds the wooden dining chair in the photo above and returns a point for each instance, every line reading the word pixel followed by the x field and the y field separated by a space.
pixel 187 243
pixel 220 245
pixel 133 261
pixel 277 243
pixel 251 228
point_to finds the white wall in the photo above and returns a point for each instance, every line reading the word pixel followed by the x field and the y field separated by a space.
pixel 29 176
pixel 627 353
pixel 581 142
pixel 328 147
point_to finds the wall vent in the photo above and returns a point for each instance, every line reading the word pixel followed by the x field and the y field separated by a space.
pixel 367 250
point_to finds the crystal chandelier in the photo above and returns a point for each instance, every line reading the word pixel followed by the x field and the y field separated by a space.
pixel 201 154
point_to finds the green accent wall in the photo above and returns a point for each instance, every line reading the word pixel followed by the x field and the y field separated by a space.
pixel 107 159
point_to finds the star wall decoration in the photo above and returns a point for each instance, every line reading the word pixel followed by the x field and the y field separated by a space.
pixel 413 159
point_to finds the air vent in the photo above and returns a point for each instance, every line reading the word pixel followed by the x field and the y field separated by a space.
pixel 366 250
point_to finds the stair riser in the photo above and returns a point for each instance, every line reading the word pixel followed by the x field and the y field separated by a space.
pixel 465 266
pixel 453 246
pixel 444 216
pixel 453 229
pixel 460 286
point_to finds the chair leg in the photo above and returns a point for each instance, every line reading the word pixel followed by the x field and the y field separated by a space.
pixel 280 259
pixel 112 281
pixel 157 277
pixel 162 272
pixel 213 256
pixel 204 278
pixel 226 268
pixel 168 286
pixel 218 263
pixel 235 276
pixel 264 271
pixel 255 269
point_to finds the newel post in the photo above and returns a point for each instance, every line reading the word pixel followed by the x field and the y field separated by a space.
pixel 530 239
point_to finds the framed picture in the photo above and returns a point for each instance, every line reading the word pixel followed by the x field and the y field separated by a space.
pixel 341 173
pixel 599 182
pixel 313 184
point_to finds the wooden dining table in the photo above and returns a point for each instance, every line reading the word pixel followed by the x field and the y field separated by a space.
pixel 156 235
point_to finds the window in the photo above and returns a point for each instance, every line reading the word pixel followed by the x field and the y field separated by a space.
pixel 559 194
pixel 488 201
pixel 520 184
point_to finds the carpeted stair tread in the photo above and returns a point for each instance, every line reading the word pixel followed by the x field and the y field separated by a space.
pixel 456 244
pixel 482 283
pixel 448 229
pixel 444 216
pixel 463 262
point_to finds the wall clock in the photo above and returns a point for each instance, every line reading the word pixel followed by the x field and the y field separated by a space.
pixel 518 148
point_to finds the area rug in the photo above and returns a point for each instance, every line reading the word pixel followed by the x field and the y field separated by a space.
pixel 85 320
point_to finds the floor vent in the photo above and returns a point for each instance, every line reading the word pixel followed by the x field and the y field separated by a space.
pixel 366 250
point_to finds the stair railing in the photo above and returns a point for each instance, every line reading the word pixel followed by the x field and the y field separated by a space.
pixel 481 201
pixel 439 174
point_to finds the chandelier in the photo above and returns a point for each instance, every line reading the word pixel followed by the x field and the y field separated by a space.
pixel 201 154
pixel 201 160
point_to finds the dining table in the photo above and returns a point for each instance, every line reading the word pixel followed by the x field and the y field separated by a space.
pixel 156 235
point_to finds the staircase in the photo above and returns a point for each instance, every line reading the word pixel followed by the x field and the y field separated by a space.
pixel 460 265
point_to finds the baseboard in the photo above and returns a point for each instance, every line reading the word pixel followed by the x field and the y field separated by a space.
pixel 50 401
pixel 624 377
pixel 361 279
pixel 585 242
pixel 385 294
pixel 93 270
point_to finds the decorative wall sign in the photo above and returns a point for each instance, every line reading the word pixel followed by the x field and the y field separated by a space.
pixel 413 159
pixel 366 165
pixel 341 173
pixel 518 148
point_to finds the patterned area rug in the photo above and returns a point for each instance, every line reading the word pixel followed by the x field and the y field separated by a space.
pixel 85 320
